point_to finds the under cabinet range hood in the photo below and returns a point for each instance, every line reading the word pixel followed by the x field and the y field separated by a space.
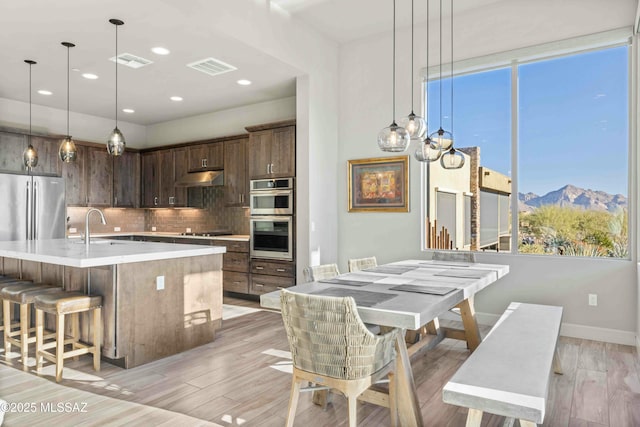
pixel 201 179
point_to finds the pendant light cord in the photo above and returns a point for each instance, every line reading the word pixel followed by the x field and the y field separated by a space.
pixel 68 47
pixel 116 61
pixel 411 56
pixel 452 69
pixel 426 104
pixel 440 52
pixel 394 63
pixel 30 103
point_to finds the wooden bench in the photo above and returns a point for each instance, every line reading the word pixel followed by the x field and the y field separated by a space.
pixel 509 373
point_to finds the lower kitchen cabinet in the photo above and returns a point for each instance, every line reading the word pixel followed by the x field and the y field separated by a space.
pixel 235 282
pixel 235 265
pixel 270 275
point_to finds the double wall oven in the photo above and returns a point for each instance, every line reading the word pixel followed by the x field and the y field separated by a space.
pixel 272 219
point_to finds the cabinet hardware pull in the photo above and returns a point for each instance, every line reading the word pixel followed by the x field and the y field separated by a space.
pixel 271 167
pixel 259 268
pixel 155 201
pixel 259 285
pixel 268 169
pixel 280 287
pixel 280 270
pixel 205 162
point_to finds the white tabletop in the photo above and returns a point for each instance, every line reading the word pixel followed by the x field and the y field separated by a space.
pixel 72 253
pixel 409 310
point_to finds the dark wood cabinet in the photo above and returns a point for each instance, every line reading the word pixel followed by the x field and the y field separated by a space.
pixel 74 175
pixel 149 179
pixel 160 169
pixel 272 153
pixel 99 166
pixel 236 179
pixel 270 275
pixel 206 157
pixel 166 177
pixel 126 180
pixel 235 266
pixel 48 161
pixel 12 146
pixel 180 168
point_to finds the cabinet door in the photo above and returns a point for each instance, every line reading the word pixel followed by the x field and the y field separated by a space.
pixel 236 184
pixel 12 146
pixel 197 157
pixel 206 157
pixel 48 162
pixel 260 154
pixel 75 178
pixel 167 177
pixel 149 178
pixel 126 180
pixel 181 163
pixel 215 156
pixel 283 152
pixel 99 177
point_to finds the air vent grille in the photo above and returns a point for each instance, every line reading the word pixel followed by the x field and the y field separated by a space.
pixel 211 66
pixel 131 61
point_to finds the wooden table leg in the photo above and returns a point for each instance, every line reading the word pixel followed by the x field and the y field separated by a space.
pixel 407 404
pixel 471 331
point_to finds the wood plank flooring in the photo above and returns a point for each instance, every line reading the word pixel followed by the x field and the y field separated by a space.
pixel 241 379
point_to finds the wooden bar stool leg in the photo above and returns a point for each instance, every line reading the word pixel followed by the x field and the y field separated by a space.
pixel 59 346
pixel 39 338
pixel 24 333
pixel 7 327
pixel 97 337
pixel 75 332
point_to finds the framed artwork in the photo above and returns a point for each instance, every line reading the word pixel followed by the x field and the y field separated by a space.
pixel 379 184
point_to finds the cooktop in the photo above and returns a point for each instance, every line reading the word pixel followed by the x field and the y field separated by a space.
pixel 207 233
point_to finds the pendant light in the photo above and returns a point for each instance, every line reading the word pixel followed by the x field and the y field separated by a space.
pixel 116 142
pixel 441 139
pixel 452 159
pixel 394 138
pixel 30 155
pixel 68 151
pixel 426 151
pixel 415 125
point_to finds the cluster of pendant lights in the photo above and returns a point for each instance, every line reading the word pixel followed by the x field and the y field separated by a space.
pixel 68 151
pixel 431 147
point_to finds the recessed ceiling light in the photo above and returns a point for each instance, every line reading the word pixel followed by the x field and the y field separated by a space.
pixel 176 98
pixel 160 50
pixel 89 76
pixel 244 82
pixel 128 110
pixel 45 92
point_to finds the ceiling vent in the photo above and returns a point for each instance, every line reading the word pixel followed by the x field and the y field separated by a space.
pixel 211 66
pixel 131 61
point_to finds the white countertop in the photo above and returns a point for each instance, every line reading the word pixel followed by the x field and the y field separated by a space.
pixel 72 253
pixel 232 237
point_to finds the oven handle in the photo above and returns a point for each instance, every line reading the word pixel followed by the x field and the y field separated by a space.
pixel 272 218
pixel 286 192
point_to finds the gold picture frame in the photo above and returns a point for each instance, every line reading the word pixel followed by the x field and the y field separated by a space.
pixel 379 184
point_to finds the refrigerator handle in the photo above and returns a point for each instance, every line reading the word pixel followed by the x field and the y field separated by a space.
pixel 27 216
pixel 34 231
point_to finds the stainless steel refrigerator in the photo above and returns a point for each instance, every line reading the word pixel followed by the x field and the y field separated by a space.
pixel 32 207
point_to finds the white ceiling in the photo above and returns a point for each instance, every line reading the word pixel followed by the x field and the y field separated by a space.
pixel 34 29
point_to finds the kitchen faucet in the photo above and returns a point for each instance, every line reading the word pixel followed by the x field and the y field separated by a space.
pixel 87 237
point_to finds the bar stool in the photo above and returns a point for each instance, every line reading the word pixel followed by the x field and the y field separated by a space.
pixel 4 282
pixel 22 294
pixel 61 304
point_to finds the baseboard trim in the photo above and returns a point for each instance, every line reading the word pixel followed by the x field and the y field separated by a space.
pixel 573 330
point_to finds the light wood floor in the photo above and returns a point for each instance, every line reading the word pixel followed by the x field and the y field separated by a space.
pixel 235 381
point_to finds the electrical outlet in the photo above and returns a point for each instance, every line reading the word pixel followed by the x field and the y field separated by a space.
pixel 153 229
pixel 188 230
pixel 73 230
pixel 116 228
pixel 159 283
pixel 593 299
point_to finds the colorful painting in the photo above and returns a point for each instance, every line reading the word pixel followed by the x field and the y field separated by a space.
pixel 379 184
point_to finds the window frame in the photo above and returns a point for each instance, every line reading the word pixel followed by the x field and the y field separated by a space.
pixel 543 52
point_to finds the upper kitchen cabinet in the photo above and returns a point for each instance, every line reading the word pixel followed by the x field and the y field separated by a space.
pixel 48 161
pixel 13 144
pixel 180 168
pixel 11 147
pixel 206 157
pixel 159 171
pixel 272 150
pixel 99 166
pixel 126 180
pixel 74 175
pixel 149 179
pixel 236 181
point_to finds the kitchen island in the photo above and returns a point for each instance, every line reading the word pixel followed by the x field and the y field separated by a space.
pixel 159 299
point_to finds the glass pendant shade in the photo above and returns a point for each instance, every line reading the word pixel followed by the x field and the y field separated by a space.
pixel 30 157
pixel 452 159
pixel 426 152
pixel 68 152
pixel 116 143
pixel 441 139
pixel 414 125
pixel 393 139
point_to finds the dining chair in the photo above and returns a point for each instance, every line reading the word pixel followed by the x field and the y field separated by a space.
pixel 332 348
pixel 356 264
pixel 457 256
pixel 319 272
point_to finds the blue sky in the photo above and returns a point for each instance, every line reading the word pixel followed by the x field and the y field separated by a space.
pixel 573 120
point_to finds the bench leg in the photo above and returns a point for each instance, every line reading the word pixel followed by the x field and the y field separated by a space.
pixel 557 366
pixel 474 418
pixel 472 333
pixel 525 423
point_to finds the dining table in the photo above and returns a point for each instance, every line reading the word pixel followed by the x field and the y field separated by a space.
pixel 410 295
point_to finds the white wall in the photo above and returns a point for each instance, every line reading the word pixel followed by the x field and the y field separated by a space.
pixel 365 108
pixel 220 123
pixel 15 114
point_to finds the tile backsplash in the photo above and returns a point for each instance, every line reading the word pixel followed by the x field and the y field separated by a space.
pixel 214 215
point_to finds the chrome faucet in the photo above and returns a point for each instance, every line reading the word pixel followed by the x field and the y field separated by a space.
pixel 87 237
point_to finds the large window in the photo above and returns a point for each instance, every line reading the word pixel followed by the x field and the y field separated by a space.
pixel 567 118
